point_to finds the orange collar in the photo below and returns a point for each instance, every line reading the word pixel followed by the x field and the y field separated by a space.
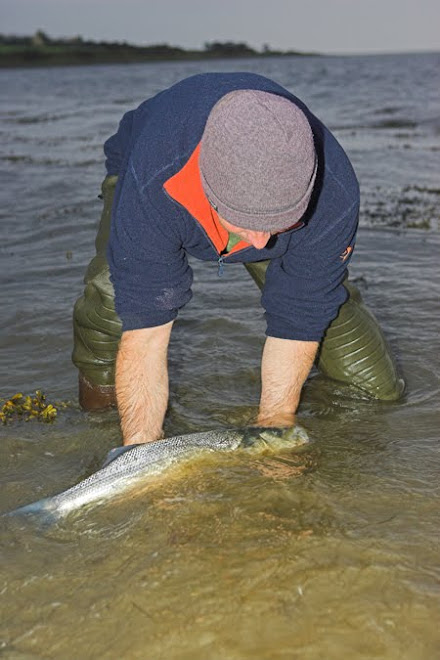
pixel 186 188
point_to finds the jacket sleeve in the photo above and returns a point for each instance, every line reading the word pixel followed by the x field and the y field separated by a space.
pixel 115 146
pixel 304 288
pixel 148 266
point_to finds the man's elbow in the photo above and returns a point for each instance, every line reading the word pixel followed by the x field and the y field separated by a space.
pixel 141 339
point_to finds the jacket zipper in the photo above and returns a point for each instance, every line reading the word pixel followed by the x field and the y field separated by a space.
pixel 221 263
pixel 221 266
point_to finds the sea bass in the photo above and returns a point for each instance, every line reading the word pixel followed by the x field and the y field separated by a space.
pixel 125 466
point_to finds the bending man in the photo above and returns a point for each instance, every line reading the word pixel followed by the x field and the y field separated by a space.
pixel 228 168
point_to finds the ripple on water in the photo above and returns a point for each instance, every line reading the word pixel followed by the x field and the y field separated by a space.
pixel 330 552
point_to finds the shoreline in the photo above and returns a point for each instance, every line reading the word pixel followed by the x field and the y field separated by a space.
pixel 41 51
pixel 25 63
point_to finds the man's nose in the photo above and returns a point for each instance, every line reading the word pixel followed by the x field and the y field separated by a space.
pixel 258 239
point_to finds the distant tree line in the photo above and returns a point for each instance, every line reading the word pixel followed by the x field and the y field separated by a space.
pixel 40 49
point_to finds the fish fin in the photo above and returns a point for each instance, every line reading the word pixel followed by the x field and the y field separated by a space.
pixel 274 437
pixel 253 435
pixel 115 452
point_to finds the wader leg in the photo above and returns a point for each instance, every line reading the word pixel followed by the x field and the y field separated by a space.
pixel 96 326
pixel 354 349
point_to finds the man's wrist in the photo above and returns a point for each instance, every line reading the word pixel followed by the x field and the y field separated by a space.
pixel 277 419
pixel 142 437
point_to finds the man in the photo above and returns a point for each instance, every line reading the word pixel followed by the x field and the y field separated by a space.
pixel 230 168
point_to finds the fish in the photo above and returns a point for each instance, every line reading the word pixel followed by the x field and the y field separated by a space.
pixel 126 466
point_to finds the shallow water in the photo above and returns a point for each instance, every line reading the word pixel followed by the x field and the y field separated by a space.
pixel 327 552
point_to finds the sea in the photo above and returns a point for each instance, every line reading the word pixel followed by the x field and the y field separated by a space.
pixel 328 552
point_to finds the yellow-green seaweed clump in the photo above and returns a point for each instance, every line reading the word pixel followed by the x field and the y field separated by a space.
pixel 27 407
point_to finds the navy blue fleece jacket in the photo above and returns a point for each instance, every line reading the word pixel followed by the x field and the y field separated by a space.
pixel 152 234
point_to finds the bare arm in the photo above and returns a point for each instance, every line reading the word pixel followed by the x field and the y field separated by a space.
pixel 285 365
pixel 142 382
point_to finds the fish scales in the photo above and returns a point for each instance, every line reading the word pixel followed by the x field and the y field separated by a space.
pixel 126 465
pixel 132 466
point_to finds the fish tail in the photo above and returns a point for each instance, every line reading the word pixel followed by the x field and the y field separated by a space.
pixel 43 509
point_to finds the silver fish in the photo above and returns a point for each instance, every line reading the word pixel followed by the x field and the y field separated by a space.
pixel 127 465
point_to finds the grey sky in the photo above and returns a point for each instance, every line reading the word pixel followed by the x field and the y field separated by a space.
pixel 331 26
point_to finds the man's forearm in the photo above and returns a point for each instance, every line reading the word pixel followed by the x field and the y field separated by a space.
pixel 285 365
pixel 142 383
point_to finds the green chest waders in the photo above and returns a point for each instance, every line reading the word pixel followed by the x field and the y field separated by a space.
pixel 96 326
pixel 353 350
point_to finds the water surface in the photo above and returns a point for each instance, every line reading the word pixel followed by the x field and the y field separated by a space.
pixel 328 552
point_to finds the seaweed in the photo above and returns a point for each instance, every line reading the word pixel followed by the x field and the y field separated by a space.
pixel 28 407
